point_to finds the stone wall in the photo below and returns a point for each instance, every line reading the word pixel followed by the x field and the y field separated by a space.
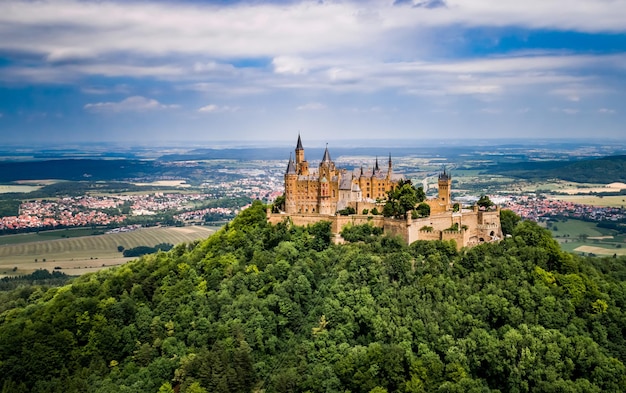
pixel 474 226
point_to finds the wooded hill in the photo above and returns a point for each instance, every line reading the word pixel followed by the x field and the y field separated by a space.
pixel 601 170
pixel 268 308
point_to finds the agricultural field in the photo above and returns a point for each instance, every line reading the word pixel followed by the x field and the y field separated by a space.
pixel 593 200
pixel 79 255
pixel 9 188
pixel 50 235
pixel 584 237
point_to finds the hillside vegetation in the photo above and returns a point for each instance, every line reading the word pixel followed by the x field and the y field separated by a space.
pixel 601 170
pixel 268 308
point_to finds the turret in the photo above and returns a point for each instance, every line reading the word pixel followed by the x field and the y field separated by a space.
pixel 299 151
pixel 389 168
pixel 302 166
pixel 444 183
pixel 291 178
pixel 327 166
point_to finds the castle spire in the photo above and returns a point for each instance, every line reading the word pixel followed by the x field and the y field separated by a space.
pixel 376 168
pixel 326 157
pixel 291 168
pixel 389 160
pixel 299 144
pixel 444 175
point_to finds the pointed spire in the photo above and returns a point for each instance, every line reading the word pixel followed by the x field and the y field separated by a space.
pixel 291 168
pixel 299 144
pixel 389 160
pixel 361 171
pixel 326 157
pixel 376 168
pixel 444 175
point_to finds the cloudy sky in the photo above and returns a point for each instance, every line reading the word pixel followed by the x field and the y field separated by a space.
pixel 203 71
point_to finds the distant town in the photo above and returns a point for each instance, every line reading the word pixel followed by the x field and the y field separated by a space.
pixel 202 189
pixel 117 210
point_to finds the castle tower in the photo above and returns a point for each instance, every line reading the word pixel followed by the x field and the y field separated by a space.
pixel 299 151
pixel 291 178
pixel 327 166
pixel 444 182
pixel 302 166
pixel 389 168
pixel 324 206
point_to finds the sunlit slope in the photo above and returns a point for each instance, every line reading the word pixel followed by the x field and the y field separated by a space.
pixel 279 309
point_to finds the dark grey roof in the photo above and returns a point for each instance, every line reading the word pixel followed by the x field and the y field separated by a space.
pixel 299 144
pixel 291 168
pixel 346 183
pixel 326 157
pixel 444 175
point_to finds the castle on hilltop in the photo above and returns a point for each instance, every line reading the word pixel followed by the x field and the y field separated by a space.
pixel 321 194
pixel 328 189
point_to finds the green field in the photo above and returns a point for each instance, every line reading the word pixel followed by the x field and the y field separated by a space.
pixel 78 255
pixel 50 235
pixel 7 188
pixel 593 200
pixel 585 237
pixel 576 228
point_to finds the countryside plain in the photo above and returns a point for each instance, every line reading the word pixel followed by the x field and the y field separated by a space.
pixel 186 196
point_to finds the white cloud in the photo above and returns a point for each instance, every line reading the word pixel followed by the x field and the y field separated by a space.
pixel 100 90
pixel 130 104
pixel 567 111
pixel 311 106
pixel 491 111
pixel 289 65
pixel 606 111
pixel 212 108
pixel 89 30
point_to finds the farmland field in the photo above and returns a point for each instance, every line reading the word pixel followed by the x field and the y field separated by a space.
pixel 80 255
pixel 6 188
pixel 49 235
pixel 575 228
pixel 607 201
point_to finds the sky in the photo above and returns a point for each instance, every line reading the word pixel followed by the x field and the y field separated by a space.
pixel 159 72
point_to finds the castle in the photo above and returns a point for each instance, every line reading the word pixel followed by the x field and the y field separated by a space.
pixel 313 195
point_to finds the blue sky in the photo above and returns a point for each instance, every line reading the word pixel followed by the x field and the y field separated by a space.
pixel 205 71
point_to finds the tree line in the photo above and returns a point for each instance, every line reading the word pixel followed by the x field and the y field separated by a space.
pixel 279 308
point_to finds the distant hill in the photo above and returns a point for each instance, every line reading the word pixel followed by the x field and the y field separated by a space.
pixel 601 170
pixel 75 169
pixel 279 308
pixel 98 170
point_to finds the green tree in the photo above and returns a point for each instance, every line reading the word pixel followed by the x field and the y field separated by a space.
pixel 423 209
pixel 279 204
pixel 403 199
pixel 484 202
pixel 508 221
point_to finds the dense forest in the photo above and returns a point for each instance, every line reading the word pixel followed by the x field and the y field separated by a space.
pixel 600 170
pixel 257 307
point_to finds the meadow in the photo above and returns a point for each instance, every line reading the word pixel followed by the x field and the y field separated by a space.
pixel 79 255
pixel 10 188
pixel 593 200
pixel 584 237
